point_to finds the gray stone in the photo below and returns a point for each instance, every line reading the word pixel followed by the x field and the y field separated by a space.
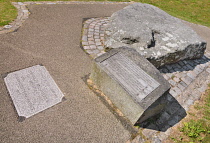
pixel 173 83
pixel 131 82
pixel 32 90
pixel 156 140
pixel 160 37
pixel 181 87
pixel 173 93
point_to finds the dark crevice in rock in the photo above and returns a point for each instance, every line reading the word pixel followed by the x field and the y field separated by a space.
pixel 129 40
pixel 152 42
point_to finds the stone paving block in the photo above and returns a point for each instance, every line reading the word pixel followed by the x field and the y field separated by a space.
pixel 185 62
pixel 208 70
pixel 202 61
pixel 203 65
pixel 178 69
pixel 89 51
pixel 195 95
pixel 149 132
pixel 187 80
pixel 165 70
pixel 191 75
pixel 85 43
pixel 172 70
pixel 99 54
pixel 173 93
pixel 137 139
pixel 185 68
pixel 91 42
pixel 97 27
pixel 98 43
pixel 102 38
pixel 168 67
pixel 90 29
pixel 197 70
pixel 181 63
pixel 90 36
pixel 177 90
pixel 203 88
pixel 197 61
pixel 191 63
pixel 155 139
pixel 97 40
pixel 172 83
pixel 162 136
pixel 96 51
pixel 100 47
pixel 176 79
pixel 93 47
pixel 90 39
pixel 189 102
pixel 181 87
pixel 86 47
pixel 85 31
pixel 166 77
pixel 96 33
pixel 96 37
pixel 84 38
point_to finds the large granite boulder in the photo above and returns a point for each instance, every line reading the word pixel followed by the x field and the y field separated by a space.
pixel 160 37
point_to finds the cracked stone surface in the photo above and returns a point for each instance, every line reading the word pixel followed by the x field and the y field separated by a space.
pixel 188 78
pixel 160 37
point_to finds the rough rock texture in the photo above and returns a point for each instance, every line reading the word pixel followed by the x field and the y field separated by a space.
pixel 160 37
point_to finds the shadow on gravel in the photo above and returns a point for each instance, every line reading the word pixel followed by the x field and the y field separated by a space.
pixel 171 115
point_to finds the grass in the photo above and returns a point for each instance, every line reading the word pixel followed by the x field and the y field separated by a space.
pixel 196 127
pixel 195 11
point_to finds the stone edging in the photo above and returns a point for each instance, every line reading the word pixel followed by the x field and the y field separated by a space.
pixel 23 12
pixel 188 80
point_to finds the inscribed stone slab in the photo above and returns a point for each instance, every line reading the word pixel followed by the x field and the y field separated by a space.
pixel 134 80
pixel 131 82
pixel 32 90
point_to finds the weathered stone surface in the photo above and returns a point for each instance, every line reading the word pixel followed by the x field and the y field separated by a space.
pixel 131 82
pixel 32 90
pixel 160 37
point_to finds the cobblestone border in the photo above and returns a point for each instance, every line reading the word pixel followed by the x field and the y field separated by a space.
pixel 23 12
pixel 188 80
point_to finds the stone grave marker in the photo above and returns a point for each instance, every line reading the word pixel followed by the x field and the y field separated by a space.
pixel 32 90
pixel 131 82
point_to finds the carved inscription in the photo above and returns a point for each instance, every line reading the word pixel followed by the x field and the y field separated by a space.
pixel 130 76
pixel 32 90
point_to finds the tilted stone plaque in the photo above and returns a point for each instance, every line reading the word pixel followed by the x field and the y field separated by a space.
pixel 135 80
pixel 130 81
pixel 32 90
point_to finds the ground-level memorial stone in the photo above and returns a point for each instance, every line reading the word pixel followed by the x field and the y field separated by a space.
pixel 131 82
pixel 32 90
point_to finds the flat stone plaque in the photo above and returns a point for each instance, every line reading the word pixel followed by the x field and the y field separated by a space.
pixel 32 90
pixel 134 80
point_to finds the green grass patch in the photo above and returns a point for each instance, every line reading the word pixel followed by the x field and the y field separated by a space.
pixel 195 11
pixel 7 12
pixel 197 128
